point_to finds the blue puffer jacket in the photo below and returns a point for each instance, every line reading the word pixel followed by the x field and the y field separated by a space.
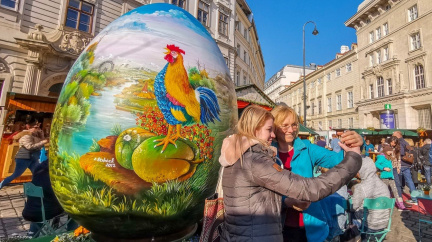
pixel 382 163
pixel 306 157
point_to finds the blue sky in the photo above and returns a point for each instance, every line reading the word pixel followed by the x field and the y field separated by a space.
pixel 280 25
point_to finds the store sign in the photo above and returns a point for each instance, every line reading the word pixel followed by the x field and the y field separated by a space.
pixel 387 119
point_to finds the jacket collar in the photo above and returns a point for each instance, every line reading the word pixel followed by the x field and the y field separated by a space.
pixel 297 144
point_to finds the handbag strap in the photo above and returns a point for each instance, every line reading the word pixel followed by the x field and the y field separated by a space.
pixel 219 189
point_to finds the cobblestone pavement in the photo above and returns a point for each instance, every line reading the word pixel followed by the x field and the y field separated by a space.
pixel 404 225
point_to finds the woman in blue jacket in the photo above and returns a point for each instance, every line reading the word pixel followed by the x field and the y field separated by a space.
pixel 384 164
pixel 301 157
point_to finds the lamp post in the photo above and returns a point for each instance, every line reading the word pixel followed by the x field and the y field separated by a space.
pixel 314 32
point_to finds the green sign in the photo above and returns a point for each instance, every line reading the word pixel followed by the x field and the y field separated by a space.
pixel 387 106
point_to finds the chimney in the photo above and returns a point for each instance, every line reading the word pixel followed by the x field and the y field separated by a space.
pixel 344 49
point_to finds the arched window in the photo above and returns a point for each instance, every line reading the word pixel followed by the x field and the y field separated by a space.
pixel 419 77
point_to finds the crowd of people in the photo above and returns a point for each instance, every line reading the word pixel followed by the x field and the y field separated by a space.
pixel 272 191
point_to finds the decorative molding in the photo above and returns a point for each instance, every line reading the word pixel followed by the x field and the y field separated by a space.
pixel 388 42
pixel 4 67
pixel 37 34
pixel 224 9
pixel 70 41
pixel 207 1
pixel 413 58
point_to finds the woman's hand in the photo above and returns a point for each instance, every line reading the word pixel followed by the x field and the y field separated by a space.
pixel 387 169
pixel 351 139
pixel 355 149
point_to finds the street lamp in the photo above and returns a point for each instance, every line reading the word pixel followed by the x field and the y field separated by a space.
pixel 314 32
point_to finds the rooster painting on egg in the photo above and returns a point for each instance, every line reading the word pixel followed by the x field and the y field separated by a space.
pixel 178 101
pixel 139 141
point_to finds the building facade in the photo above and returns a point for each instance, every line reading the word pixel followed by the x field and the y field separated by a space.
pixel 285 77
pixel 249 63
pixel 331 92
pixel 394 61
pixel 44 38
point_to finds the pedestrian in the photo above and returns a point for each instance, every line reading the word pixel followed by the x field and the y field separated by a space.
pixel 425 160
pixel 368 147
pixel 381 145
pixel 253 183
pixel 370 187
pixel 300 157
pixel 321 142
pixel 335 144
pixel 27 155
pixel 405 170
pixel 384 164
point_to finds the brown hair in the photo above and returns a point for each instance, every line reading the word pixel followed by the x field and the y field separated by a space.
pixel 397 145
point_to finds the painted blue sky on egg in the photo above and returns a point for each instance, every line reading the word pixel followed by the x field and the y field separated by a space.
pixel 140 36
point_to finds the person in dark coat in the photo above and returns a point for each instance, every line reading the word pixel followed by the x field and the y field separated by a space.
pixel 426 160
pixel 33 207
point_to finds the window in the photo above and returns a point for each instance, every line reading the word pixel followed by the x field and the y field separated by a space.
pixel 389 87
pixel 8 3
pixel 79 15
pixel 386 29
pixel 237 25
pixel 329 105
pixel 371 60
pixel 339 102
pixel 351 123
pixel 338 73
pixel 244 56
pixel 415 41
pixel 371 37
pixel 313 108
pixel 419 77
pixel 223 24
pixel 318 81
pixel 203 13
pixel 320 125
pixel 378 33
pixel 348 67
pixel 424 117
pixel 312 84
pixel 245 33
pixel 378 56
pixel 330 124
pixel 226 61
pixel 380 87
pixel 412 13
pixel 371 91
pixel 299 110
pixel 244 79
pixel 179 3
pixel 319 107
pixel 386 54
pixel 328 77
pixel 238 49
pixel 238 78
pixel 350 99
pixel 339 123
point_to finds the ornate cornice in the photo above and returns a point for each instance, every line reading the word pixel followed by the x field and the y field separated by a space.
pixel 395 97
pixel 377 70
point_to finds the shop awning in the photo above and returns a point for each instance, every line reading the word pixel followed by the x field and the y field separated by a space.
pixel 404 132
pixel 243 104
pixel 18 101
pixel 365 131
pixel 303 129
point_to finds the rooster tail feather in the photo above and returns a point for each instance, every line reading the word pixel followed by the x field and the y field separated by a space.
pixel 209 105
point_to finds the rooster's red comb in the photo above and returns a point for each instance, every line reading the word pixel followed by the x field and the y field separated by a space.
pixel 175 48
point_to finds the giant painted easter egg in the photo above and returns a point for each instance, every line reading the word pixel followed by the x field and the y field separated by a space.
pixel 138 126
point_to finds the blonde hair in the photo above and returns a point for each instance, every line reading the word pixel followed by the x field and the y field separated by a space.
pixel 410 142
pixel 282 112
pixel 252 119
pixel 427 141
